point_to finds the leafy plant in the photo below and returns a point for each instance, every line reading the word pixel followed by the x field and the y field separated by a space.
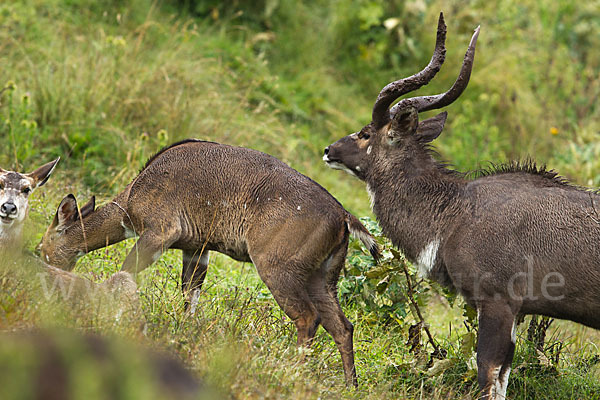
pixel 381 290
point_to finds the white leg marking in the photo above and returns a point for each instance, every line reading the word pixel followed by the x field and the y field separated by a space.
pixel 194 301
pixel 503 380
pixel 426 259
pixel 514 332
pixel 503 383
pixel 205 258
pixel 496 386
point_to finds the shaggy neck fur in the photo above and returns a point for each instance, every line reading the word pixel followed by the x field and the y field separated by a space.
pixel 429 195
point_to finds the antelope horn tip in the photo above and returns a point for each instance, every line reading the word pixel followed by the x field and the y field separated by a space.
pixel 476 34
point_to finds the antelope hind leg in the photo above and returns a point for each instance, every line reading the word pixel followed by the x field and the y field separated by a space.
pixel 289 291
pixel 336 324
pixel 495 349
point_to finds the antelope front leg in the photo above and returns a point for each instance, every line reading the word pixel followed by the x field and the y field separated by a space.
pixel 146 250
pixel 495 349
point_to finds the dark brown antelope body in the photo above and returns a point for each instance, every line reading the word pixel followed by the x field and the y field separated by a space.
pixel 517 240
pixel 202 196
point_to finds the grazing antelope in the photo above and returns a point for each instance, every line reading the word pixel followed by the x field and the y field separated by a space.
pixel 201 196
pixel 518 239
pixel 15 189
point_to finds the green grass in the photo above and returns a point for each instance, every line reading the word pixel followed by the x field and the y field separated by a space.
pixel 241 344
pixel 105 84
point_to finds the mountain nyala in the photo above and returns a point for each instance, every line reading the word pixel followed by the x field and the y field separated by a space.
pixel 201 196
pixel 516 240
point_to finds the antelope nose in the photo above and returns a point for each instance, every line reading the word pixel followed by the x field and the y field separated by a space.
pixel 8 208
pixel 326 150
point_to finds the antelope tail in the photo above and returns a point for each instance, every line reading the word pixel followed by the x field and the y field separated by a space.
pixel 358 230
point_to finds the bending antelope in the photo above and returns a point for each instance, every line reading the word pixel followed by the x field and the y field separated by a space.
pixel 202 196
pixel 517 240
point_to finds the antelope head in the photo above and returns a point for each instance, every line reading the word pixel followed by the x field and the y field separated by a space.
pixel 64 241
pixel 15 189
pixel 396 132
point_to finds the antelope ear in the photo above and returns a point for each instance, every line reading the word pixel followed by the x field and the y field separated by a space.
pixel 66 213
pixel 431 128
pixel 404 123
pixel 41 175
pixel 88 208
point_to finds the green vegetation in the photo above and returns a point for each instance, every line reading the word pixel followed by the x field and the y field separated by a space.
pixel 105 84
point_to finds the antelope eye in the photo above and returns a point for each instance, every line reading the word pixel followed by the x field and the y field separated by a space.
pixel 27 190
pixel 363 135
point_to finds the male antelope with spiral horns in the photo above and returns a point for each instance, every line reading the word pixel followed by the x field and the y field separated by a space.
pixel 517 240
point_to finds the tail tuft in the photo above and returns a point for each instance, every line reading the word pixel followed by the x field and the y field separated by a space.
pixel 358 230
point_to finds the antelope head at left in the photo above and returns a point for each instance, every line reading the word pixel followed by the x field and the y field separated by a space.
pixel 15 189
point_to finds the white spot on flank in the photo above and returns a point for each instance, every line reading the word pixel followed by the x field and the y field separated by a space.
pixel 369 149
pixel 299 208
pixel 245 206
pixel 426 259
pixel 208 202
pixel 47 258
pixel 279 198
pixel 358 168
